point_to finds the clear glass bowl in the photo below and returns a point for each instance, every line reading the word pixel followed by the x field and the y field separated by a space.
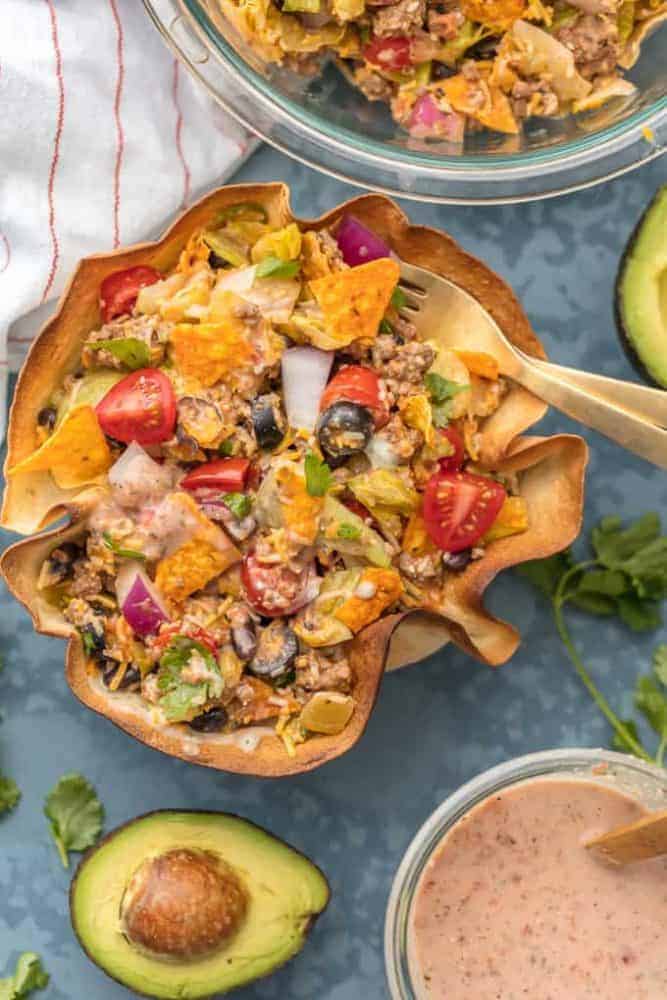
pixel 328 124
pixel 646 783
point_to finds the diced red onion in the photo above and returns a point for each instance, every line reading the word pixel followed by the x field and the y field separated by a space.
pixel 305 372
pixel 380 453
pixel 428 121
pixel 358 244
pixel 139 600
pixel 136 477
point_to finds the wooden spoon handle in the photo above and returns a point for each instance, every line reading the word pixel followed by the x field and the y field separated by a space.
pixel 639 841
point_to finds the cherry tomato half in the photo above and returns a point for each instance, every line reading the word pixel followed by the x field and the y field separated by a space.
pixel 389 53
pixel 141 407
pixel 118 291
pixel 453 462
pixel 193 632
pixel 226 474
pixel 357 384
pixel 271 590
pixel 460 507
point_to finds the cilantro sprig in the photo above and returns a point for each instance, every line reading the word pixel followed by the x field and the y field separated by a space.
pixel 119 549
pixel 75 815
pixel 238 503
pixel 10 795
pixel 625 577
pixel 29 975
pixel 442 391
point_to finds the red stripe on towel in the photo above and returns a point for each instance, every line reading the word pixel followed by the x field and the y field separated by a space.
pixel 178 137
pixel 60 118
pixel 120 134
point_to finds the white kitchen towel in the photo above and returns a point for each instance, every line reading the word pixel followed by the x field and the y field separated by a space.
pixel 103 137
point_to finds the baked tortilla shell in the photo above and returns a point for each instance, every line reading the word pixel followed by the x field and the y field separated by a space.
pixel 551 471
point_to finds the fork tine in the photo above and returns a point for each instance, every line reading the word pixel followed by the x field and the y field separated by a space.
pixel 414 299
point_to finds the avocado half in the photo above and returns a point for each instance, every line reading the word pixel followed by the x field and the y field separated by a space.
pixel 641 293
pixel 190 904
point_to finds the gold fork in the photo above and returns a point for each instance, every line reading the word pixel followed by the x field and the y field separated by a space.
pixel 632 415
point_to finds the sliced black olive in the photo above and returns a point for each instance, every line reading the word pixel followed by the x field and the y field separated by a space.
pixel 456 562
pixel 210 722
pixel 244 641
pixel 216 262
pixel 344 430
pixel 276 651
pixel 131 676
pixel 286 679
pixel 47 417
pixel 268 421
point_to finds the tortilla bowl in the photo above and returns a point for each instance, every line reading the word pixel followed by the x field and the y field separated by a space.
pixel 550 471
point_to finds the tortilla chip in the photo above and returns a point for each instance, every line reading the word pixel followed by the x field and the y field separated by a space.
pixel 495 112
pixel 478 363
pixel 416 539
pixel 76 453
pixel 355 300
pixel 191 567
pixel 357 612
pixel 211 352
pixel 497 14
pixel 300 511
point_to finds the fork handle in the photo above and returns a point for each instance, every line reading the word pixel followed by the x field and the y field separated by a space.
pixel 642 400
pixel 629 430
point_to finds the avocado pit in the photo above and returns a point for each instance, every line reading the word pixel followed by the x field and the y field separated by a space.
pixel 182 905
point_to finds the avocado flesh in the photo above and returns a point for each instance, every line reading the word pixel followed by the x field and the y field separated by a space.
pixel 89 390
pixel 642 292
pixel 286 892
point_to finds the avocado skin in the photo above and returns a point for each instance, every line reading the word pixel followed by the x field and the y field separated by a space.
pixel 164 813
pixel 642 365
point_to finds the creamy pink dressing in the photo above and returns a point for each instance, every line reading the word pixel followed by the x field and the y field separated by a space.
pixel 512 907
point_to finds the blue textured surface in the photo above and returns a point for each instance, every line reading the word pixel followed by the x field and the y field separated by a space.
pixel 434 727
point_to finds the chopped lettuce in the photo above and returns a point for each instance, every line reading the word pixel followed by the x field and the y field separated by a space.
pixel 347 533
pixel 225 247
pixel 387 496
pixel 316 625
pixel 285 244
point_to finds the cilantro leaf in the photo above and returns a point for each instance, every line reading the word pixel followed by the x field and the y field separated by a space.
pixel 660 663
pixel 274 267
pixel 546 573
pixel 226 447
pixel 181 699
pixel 130 351
pixel 386 327
pixel 238 503
pixel 652 703
pixel 29 975
pixel 318 475
pixel 398 298
pixel 116 547
pixel 9 794
pixel 638 614
pixel 75 814
pixel 442 391
pixel 349 531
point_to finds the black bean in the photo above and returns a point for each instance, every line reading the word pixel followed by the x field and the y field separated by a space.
pixel 268 421
pixel 47 417
pixel 456 562
pixel 210 722
pixel 244 641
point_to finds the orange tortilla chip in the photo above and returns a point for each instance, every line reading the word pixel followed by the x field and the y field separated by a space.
pixel 76 453
pixel 211 352
pixel 484 365
pixel 191 567
pixel 355 300
pixel 495 112
pixel 498 14
pixel 299 510
pixel 357 612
